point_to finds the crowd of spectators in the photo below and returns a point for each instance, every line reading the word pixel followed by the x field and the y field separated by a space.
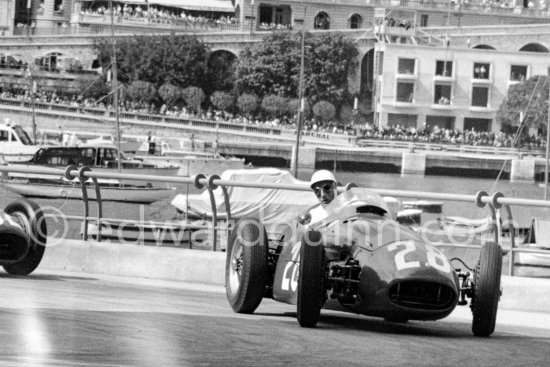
pixel 426 134
pixel 274 27
pixel 160 14
pixel 439 135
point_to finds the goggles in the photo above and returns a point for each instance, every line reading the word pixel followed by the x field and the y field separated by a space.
pixel 326 188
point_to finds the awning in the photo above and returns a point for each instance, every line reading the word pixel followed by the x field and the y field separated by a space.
pixel 198 5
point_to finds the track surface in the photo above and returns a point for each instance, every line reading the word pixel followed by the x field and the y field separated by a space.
pixel 65 320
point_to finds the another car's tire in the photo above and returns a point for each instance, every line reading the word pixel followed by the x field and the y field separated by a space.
pixel 311 280
pixel 246 265
pixel 29 215
pixel 486 290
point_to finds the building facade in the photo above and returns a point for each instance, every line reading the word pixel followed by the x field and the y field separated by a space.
pixel 455 88
pixel 410 72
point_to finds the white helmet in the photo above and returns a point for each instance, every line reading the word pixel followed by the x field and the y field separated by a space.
pixel 320 176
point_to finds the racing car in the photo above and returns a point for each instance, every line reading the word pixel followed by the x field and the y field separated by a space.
pixel 360 260
pixel 23 234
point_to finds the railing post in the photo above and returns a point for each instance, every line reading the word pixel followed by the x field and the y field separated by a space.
pixel 510 223
pixel 99 204
pixel 200 186
pixel 225 200
pixel 69 177
pixel 479 203
pixel 211 187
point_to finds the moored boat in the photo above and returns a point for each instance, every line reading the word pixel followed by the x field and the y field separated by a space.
pixel 70 190
pixel 15 144
pixel 98 158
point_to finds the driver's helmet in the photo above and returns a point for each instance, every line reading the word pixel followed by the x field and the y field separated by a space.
pixel 321 176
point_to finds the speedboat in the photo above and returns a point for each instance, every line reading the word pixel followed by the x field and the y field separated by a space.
pixel 100 159
pixel 15 144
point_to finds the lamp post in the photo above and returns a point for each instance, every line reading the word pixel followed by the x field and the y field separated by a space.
pixel 547 149
pixel 32 85
pixel 251 14
pixel 115 84
pixel 300 96
pixel 29 5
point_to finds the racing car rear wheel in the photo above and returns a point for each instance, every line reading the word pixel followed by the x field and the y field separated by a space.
pixel 486 289
pixel 246 265
pixel 29 215
pixel 311 280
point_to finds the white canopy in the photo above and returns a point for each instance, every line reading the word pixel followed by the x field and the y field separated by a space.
pixel 198 5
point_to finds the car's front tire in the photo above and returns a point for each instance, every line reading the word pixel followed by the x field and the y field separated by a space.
pixel 29 215
pixel 246 265
pixel 486 290
pixel 311 279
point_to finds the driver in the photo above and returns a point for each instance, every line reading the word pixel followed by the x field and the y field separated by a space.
pixel 323 184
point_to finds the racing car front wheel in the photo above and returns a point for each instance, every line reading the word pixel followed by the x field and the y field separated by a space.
pixel 246 265
pixel 486 289
pixel 30 217
pixel 311 280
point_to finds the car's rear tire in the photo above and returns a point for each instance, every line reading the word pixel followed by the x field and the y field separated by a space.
pixel 246 265
pixel 29 215
pixel 486 290
pixel 311 279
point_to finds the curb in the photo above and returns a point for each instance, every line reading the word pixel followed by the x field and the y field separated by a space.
pixel 208 268
pixel 125 260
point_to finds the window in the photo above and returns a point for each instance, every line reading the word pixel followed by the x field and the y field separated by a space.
pixel 406 66
pixel 442 94
pixel 403 120
pixel 405 92
pixel 481 70
pixel 49 62
pixel 424 20
pixel 4 135
pixel 355 21
pixel 480 97
pixel 477 124
pixel 518 73
pixel 442 122
pixel 444 68
pixel 58 7
pixel 321 21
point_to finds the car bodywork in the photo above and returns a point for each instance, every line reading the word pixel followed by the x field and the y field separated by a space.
pixel 23 235
pixel 366 263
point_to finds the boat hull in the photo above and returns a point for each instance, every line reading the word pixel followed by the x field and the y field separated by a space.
pixel 193 165
pixel 130 194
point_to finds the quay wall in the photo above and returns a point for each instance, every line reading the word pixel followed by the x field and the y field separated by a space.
pixel 208 268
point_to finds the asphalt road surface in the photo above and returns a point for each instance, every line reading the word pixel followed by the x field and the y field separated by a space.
pixel 65 320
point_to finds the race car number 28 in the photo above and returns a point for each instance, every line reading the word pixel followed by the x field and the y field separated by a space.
pixel 435 257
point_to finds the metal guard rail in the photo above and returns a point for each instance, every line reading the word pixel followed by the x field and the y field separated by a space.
pixel 495 201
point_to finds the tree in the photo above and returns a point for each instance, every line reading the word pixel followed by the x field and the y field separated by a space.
pixel 94 89
pixel 194 97
pixel 142 92
pixel 247 103
pixel 170 94
pixel 531 97
pixel 221 72
pixel 275 106
pixel 324 111
pixel 222 100
pixel 273 67
pixel 294 105
pixel 180 60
